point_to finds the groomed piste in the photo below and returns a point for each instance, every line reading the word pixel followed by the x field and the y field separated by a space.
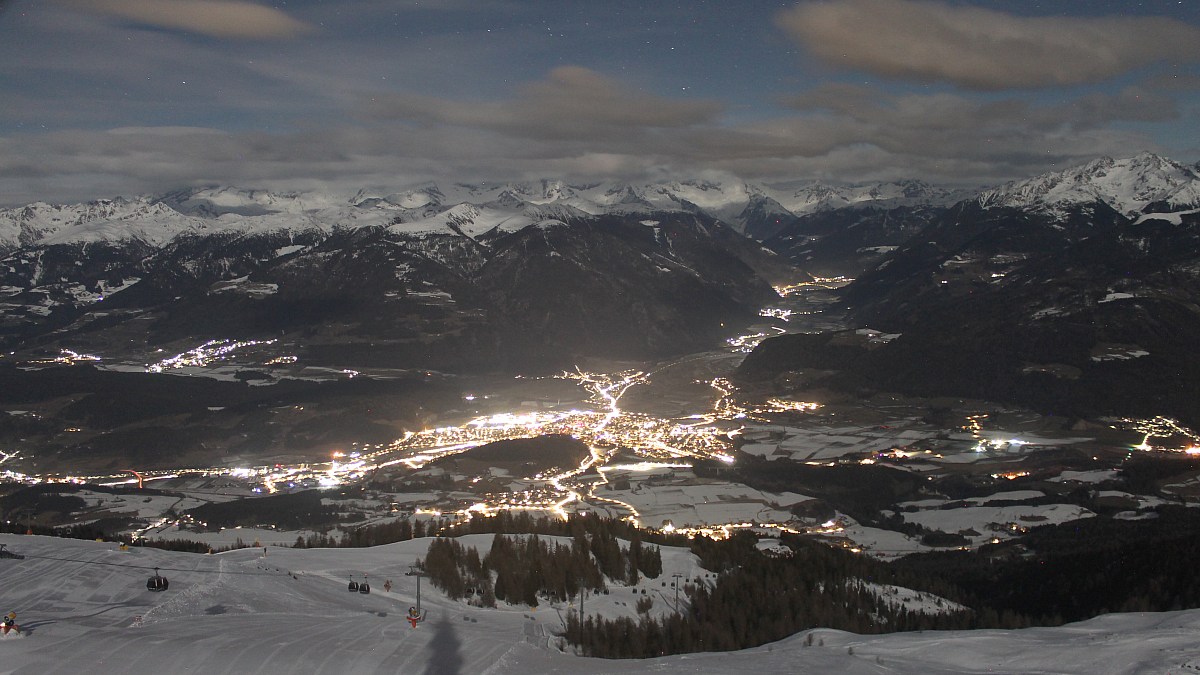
pixel 84 607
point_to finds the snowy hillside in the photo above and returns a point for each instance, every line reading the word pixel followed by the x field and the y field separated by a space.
pixel 85 608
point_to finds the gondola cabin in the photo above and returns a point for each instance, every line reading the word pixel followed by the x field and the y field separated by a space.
pixel 157 583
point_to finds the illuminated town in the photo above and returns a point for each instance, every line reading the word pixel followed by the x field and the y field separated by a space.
pixel 639 466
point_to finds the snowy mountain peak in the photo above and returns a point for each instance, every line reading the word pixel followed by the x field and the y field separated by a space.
pixel 820 196
pixel 1131 186
pixel 38 222
pixel 213 202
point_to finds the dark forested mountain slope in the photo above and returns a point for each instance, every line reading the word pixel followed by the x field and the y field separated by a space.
pixel 1074 305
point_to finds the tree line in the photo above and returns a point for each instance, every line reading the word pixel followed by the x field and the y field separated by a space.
pixel 525 569
pixel 759 598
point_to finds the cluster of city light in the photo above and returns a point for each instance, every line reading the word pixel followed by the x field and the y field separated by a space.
pixel 1164 428
pixel 828 283
pixel 8 476
pixel 780 405
pixel 901 453
pixel 985 444
pixel 604 430
pixel 726 530
pixel 727 408
pixel 974 426
pixel 662 442
pixel 420 448
pixel 533 499
pixel 68 357
pixel 204 355
pixel 281 360
pixel 642 466
pixel 777 313
pixel 744 344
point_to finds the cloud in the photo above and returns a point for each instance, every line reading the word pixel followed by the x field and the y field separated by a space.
pixel 980 48
pixel 949 112
pixel 571 103
pixel 1009 132
pixel 578 125
pixel 233 19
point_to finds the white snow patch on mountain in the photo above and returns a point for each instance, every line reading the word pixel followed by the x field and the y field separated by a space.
pixel 1175 218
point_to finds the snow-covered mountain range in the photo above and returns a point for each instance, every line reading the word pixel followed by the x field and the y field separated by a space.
pixel 443 272
pixel 158 220
pixel 1130 186
pixel 588 264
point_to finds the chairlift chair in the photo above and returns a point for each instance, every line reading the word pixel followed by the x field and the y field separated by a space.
pixel 157 583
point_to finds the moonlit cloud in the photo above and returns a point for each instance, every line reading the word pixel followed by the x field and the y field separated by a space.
pixel 571 102
pixel 981 48
pixel 385 95
pixel 216 18
pixel 838 132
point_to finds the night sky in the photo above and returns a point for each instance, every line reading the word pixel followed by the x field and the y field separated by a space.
pixel 107 97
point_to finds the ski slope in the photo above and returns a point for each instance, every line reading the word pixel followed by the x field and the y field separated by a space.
pixel 84 607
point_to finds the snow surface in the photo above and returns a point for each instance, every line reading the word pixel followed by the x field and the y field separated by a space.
pixel 1175 218
pixel 85 608
pixel 1097 476
pixel 979 518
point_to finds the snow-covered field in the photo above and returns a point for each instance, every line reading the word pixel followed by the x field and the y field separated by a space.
pixel 85 608
pixel 685 504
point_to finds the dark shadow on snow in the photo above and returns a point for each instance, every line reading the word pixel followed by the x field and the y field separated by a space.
pixel 28 628
pixel 445 658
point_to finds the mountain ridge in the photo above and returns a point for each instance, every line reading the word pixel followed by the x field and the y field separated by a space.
pixel 1070 293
